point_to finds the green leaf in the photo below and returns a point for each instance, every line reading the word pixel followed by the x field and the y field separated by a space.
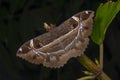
pixel 104 16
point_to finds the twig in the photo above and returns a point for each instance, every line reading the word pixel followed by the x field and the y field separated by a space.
pixel 101 55
pixel 89 64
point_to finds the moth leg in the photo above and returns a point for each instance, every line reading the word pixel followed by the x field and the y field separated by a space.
pixel 48 27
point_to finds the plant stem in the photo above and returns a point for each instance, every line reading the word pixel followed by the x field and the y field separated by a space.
pixel 101 55
pixel 89 64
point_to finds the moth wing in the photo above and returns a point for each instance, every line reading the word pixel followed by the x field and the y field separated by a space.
pixel 26 52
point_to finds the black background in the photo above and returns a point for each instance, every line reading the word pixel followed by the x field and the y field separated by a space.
pixel 21 20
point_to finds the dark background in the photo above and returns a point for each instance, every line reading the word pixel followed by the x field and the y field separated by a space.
pixel 21 20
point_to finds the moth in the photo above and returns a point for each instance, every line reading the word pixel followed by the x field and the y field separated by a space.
pixel 54 48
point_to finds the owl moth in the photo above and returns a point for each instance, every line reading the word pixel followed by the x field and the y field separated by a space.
pixel 54 48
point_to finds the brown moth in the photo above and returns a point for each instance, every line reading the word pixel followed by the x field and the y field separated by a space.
pixel 54 48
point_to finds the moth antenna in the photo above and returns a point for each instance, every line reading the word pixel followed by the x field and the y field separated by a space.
pixel 48 27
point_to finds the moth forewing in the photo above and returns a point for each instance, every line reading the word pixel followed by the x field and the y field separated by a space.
pixel 54 48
